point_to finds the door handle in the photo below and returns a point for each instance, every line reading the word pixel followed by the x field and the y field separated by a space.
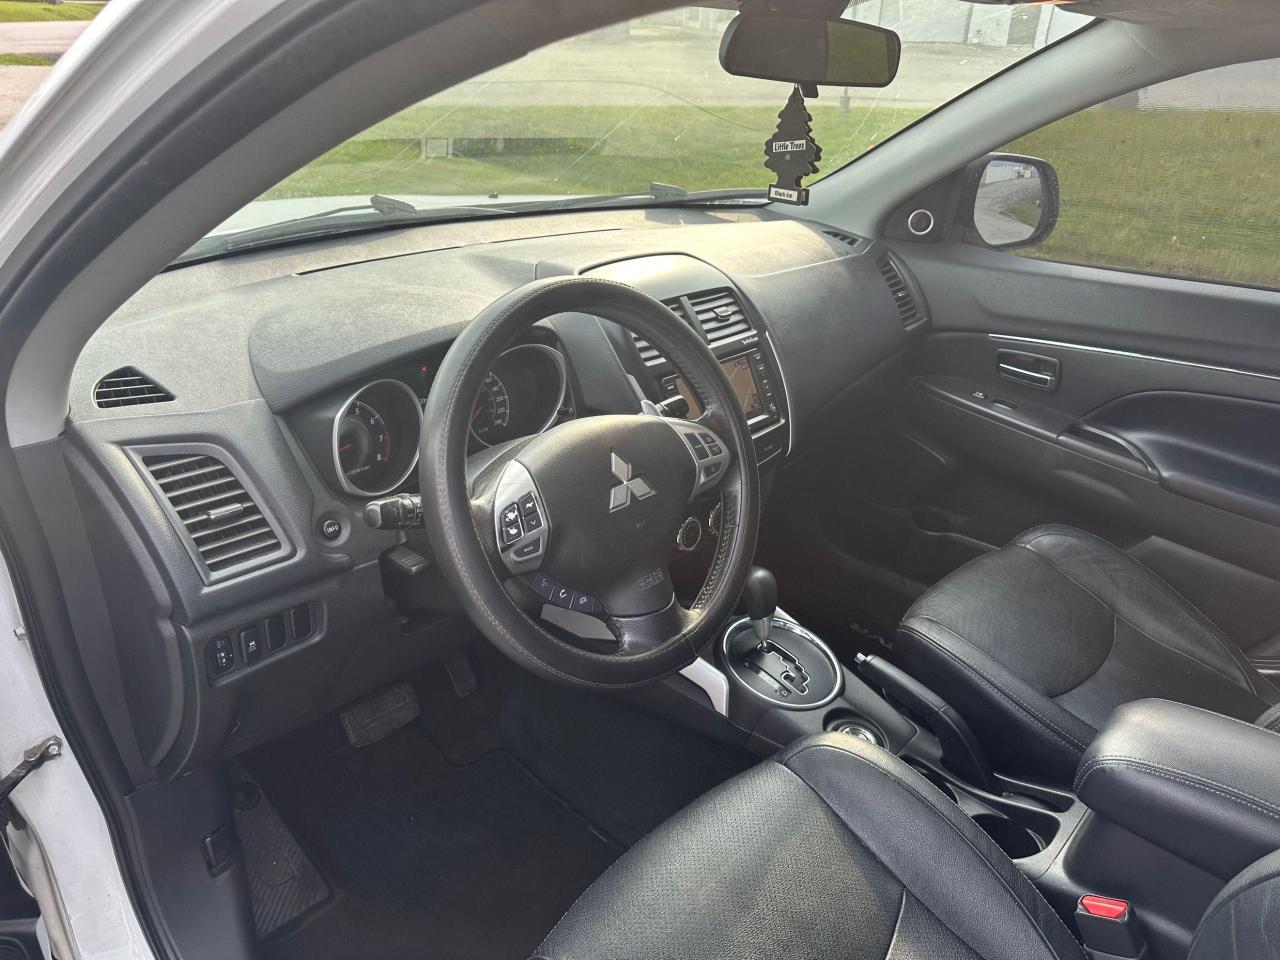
pixel 1029 369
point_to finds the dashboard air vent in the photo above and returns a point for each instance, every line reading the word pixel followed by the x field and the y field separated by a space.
pixel 848 239
pixel 908 310
pixel 720 315
pixel 127 387
pixel 648 352
pixel 225 529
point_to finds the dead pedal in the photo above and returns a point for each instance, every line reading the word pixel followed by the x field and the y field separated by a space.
pixel 380 714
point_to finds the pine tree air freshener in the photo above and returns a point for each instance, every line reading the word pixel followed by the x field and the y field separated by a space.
pixel 791 152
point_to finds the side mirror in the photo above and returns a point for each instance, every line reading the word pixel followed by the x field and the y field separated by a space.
pixel 840 53
pixel 1011 201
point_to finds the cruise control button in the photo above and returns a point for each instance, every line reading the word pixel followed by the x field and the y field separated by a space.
pixel 510 515
pixel 527 550
pixel 532 522
pixel 563 597
pixel 528 505
pixel 699 450
pixel 511 532
pixel 542 585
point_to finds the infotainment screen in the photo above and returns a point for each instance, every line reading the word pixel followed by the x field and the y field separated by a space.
pixel 744 386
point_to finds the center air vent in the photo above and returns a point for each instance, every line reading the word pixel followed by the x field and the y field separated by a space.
pixel 127 387
pixel 222 525
pixel 909 311
pixel 720 315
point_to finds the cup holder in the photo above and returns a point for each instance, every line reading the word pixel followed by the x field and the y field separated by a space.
pixel 1013 838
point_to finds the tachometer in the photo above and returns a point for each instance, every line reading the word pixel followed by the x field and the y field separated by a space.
pixel 492 413
pixel 375 438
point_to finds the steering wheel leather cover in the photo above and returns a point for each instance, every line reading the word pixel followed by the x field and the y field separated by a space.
pixel 458 511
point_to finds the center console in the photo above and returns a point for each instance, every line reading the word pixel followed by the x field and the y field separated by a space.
pixel 712 305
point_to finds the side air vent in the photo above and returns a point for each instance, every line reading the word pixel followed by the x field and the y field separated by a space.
pixel 720 315
pixel 223 527
pixel 908 309
pixel 127 387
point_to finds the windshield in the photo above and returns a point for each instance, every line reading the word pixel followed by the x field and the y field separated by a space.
pixel 631 111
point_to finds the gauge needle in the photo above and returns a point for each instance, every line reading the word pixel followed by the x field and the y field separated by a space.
pixel 345 447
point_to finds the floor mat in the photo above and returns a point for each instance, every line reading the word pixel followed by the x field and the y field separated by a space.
pixel 430 860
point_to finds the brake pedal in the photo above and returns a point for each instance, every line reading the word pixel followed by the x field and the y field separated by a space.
pixel 380 714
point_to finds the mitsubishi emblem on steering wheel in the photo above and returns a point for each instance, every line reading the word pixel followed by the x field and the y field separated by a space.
pixel 627 486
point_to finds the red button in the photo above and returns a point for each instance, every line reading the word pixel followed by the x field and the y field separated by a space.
pixel 1104 907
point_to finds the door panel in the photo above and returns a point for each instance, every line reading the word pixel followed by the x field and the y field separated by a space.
pixel 1143 409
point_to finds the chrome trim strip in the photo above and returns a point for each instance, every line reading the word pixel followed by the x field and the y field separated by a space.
pixel 713 683
pixel 785 621
pixel 347 485
pixel 786 393
pixel 1086 348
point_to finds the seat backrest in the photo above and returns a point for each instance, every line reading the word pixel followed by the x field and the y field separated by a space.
pixel 1243 922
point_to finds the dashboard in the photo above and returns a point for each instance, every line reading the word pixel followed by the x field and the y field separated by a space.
pixel 230 424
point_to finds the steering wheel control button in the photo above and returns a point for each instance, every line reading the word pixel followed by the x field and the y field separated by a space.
pixel 699 448
pixel 527 550
pixel 710 459
pixel 542 585
pixel 584 603
pixel 523 527
pixel 563 597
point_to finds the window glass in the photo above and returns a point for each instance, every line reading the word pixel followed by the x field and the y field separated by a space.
pixel 613 111
pixel 1179 179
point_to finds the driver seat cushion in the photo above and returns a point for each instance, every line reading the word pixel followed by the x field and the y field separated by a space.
pixel 835 848
pixel 1035 644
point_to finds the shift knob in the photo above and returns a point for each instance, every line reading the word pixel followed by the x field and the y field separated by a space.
pixel 760 596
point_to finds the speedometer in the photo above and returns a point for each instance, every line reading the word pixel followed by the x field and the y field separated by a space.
pixel 492 413
pixel 375 438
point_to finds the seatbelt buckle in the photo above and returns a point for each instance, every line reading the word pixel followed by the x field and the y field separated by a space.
pixel 1109 929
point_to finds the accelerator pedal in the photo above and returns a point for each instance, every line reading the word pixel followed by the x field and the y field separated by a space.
pixel 380 714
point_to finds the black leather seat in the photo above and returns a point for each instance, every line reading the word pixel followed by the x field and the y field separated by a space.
pixel 833 849
pixel 1035 644
pixel 836 848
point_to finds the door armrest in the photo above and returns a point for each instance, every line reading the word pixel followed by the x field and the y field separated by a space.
pixel 1198 784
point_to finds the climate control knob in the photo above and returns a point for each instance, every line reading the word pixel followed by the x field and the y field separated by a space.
pixel 689 535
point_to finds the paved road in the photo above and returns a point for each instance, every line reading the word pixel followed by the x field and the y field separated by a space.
pixel 16 85
pixel 52 37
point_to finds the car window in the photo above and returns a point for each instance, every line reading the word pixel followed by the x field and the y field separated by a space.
pixel 614 111
pixel 1178 179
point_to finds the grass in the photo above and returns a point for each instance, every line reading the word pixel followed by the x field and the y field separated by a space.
pixel 1189 193
pixel 685 145
pixel 21 11
pixel 24 60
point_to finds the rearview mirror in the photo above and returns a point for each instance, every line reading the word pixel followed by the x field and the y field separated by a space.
pixel 1014 200
pixel 839 53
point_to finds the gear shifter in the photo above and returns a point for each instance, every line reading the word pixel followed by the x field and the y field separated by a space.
pixel 778 659
pixel 760 596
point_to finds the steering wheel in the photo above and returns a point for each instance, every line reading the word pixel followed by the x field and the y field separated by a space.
pixel 592 505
